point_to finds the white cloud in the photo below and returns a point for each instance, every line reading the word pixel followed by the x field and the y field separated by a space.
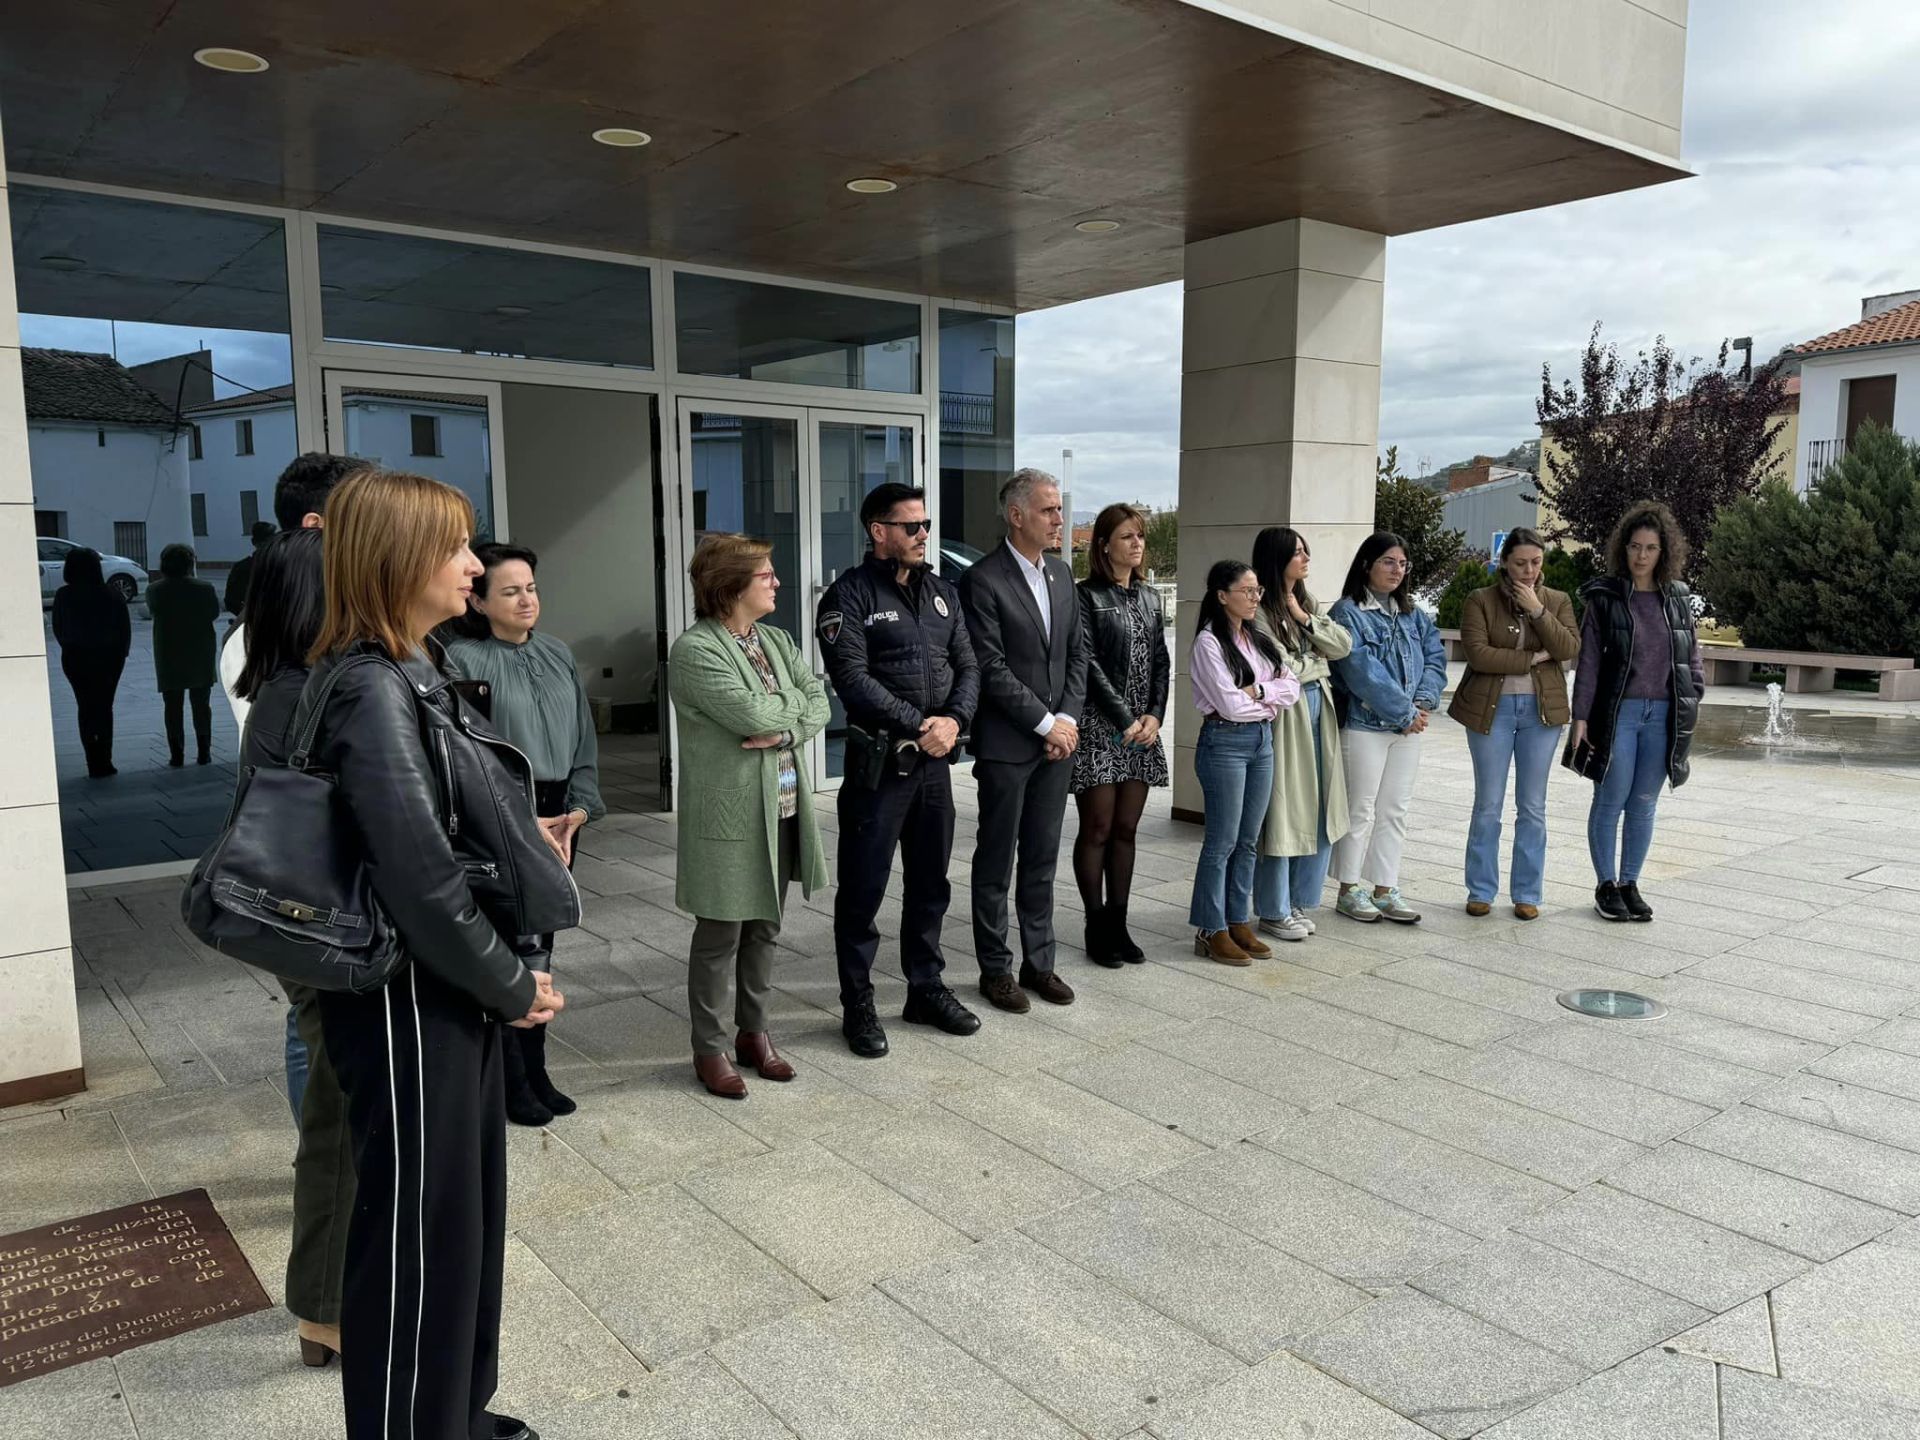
pixel 1804 123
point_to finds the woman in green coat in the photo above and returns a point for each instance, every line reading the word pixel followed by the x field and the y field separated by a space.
pixel 746 703
pixel 184 610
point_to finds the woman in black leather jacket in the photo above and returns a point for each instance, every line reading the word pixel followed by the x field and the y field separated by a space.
pixel 444 808
pixel 1120 756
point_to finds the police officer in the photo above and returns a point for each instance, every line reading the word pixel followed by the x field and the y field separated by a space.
pixel 898 655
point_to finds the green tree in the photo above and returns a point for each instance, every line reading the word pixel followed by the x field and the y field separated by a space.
pixel 1163 543
pixel 1566 571
pixel 1472 575
pixel 1417 515
pixel 1838 571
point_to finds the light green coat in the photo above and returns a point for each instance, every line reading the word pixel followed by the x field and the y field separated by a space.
pixel 729 797
pixel 1293 816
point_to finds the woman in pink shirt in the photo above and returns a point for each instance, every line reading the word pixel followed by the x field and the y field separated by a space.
pixel 1240 683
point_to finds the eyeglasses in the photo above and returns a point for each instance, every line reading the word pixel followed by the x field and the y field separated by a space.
pixel 765 575
pixel 1252 592
pixel 912 527
pixel 1391 564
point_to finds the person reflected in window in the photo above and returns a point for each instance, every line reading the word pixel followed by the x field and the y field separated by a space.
pixel 185 663
pixel 535 698
pixel 240 577
pixel 94 631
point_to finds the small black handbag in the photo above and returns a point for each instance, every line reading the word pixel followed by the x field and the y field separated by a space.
pixel 285 887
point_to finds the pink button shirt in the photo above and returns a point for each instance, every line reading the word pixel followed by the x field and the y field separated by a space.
pixel 1214 692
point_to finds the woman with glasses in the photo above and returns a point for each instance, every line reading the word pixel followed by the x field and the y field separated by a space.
pixel 745 702
pixel 1385 689
pixel 1239 682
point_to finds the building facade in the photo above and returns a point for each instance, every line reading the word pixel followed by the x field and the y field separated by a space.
pixel 1867 371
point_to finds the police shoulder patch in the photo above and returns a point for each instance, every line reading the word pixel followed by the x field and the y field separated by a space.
pixel 940 604
pixel 830 627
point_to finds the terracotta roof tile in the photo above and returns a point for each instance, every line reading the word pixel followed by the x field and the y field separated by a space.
pixel 1900 325
pixel 78 385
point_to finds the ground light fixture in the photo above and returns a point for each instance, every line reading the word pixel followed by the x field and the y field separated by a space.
pixel 622 137
pixel 62 262
pixel 1097 227
pixel 1611 1004
pixel 871 185
pixel 230 61
pixel 512 312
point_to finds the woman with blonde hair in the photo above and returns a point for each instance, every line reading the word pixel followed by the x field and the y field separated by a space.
pixel 745 703
pixel 442 810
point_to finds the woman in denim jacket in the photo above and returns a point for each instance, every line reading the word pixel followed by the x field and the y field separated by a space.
pixel 1384 689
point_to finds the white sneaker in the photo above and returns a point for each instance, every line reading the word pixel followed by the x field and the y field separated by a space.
pixel 1307 920
pixel 1287 927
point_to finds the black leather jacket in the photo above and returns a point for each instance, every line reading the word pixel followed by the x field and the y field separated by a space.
pixel 1109 642
pixel 897 654
pixel 445 808
pixel 1609 623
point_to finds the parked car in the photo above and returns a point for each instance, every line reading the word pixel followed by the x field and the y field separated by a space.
pixel 956 557
pixel 127 578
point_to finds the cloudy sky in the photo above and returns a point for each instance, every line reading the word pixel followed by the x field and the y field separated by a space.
pixel 1803 121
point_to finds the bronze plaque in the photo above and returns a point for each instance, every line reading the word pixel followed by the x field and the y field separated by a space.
pixel 104 1283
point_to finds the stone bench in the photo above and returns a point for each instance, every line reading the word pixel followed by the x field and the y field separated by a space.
pixel 1451 639
pixel 1809 671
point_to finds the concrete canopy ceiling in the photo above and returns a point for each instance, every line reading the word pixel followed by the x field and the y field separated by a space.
pixel 1004 123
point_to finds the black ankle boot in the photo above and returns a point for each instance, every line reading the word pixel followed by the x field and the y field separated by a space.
pixel 1100 948
pixel 1608 901
pixel 533 1051
pixel 523 1106
pixel 1123 945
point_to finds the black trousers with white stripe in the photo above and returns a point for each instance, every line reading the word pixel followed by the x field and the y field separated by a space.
pixel 420 1314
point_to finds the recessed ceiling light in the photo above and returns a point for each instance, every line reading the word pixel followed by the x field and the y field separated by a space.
pixel 621 136
pixel 696 329
pixel 62 262
pixel 512 312
pixel 1097 227
pixel 871 186
pixel 233 62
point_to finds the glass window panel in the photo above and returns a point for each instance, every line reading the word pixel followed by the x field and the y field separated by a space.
pixel 409 290
pixel 381 424
pixel 746 330
pixel 976 432
pixel 746 481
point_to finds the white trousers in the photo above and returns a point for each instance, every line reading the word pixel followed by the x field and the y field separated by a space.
pixel 1381 767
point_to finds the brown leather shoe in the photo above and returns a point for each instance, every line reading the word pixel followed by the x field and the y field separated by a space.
pixel 1047 985
pixel 1250 943
pixel 1219 946
pixel 1526 912
pixel 1477 908
pixel 716 1072
pixel 757 1051
pixel 1004 992
pixel 319 1344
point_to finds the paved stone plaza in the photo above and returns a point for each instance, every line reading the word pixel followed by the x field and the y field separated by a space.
pixel 1379 1187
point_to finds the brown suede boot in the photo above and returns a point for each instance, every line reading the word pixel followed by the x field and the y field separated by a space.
pixel 1244 937
pixel 1219 946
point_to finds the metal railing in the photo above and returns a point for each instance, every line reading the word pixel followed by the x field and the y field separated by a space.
pixel 962 413
pixel 1821 454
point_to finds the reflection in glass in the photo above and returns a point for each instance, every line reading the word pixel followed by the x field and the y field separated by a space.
pixel 746 481
pixel 750 331
pixel 385 289
pixel 855 456
pixel 390 426
pixel 976 432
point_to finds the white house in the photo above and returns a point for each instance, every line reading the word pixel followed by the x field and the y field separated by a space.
pixel 1868 371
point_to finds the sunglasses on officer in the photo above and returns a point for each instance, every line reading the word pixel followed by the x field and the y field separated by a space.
pixel 912 527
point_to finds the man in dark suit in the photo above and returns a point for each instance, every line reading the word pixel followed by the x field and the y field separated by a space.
pixel 1024 620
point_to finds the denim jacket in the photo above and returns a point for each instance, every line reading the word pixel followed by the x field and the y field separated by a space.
pixel 1397 665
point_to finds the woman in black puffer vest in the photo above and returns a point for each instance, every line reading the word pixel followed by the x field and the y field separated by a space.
pixel 1636 697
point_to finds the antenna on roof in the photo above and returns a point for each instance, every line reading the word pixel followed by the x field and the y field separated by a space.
pixel 1745 346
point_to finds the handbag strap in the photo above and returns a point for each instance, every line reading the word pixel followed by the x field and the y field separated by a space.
pixel 303 747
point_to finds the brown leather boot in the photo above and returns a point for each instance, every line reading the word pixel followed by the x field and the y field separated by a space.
pixel 716 1072
pixel 1244 937
pixel 1477 908
pixel 1219 946
pixel 756 1049
pixel 318 1343
pixel 1524 911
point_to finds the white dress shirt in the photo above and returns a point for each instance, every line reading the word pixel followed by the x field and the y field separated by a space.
pixel 1035 574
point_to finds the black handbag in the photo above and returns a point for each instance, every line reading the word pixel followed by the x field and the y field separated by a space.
pixel 285 887
pixel 1583 760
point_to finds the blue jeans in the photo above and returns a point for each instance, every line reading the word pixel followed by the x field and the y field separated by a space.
pixel 1234 764
pixel 1285 883
pixel 296 1066
pixel 1520 742
pixel 1636 770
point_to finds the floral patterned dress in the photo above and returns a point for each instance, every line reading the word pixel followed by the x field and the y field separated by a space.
pixel 1102 758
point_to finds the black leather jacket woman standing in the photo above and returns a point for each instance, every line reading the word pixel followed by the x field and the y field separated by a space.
pixel 444 809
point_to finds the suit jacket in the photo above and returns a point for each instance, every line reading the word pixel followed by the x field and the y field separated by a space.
pixel 1024 676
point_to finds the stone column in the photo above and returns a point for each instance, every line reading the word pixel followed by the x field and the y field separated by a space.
pixel 1279 414
pixel 39 1025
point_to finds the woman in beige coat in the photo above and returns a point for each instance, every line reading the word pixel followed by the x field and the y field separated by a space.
pixel 1309 807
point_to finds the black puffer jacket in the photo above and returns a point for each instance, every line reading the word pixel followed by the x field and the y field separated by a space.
pixel 897 654
pixel 1608 623
pixel 1109 646
pixel 445 809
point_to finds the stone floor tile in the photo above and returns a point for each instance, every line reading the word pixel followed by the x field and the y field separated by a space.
pixel 1856 1109
pixel 1865 1169
pixel 1839 961
pixel 553 1348
pixel 1516 1136
pixel 1358 1039
pixel 1283 1399
pixel 1817 987
pixel 1173 992
pixel 1010 1045
pixel 631 1039
pixel 1717 1037
pixel 1452 1186
pixel 1831 929
pixel 1209 1107
pixel 1610 1051
pixel 1438 1366
pixel 1336 1227
pixel 59 1166
pixel 651 1132
pixel 1078 1132
pixel 1742 1337
pixel 865 1367
pixel 1616 1107
pixel 1528 999
pixel 83 1400
pixel 1901 1036
pixel 1801 1019
pixel 1299 1078
pixel 1866 1064
pixel 1098 1016
pixel 665 1274
pixel 547 1179
pixel 1078 1345
pixel 1650 950
pixel 1854 1323
pixel 913 1072
pixel 1654 1396
pixel 1539 968
pixel 789 1112
pixel 1236 1291
pixel 693 1399
pixel 1436 1016
pixel 1705 1264
pixel 1753 1407
pixel 954 1169
pixel 802 1204
pixel 250 1384
pixel 1763 1204
pixel 1576 1309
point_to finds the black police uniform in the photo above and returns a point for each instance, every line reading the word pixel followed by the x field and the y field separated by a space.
pixel 897 655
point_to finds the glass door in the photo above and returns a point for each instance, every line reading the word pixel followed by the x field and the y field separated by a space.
pixel 446 429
